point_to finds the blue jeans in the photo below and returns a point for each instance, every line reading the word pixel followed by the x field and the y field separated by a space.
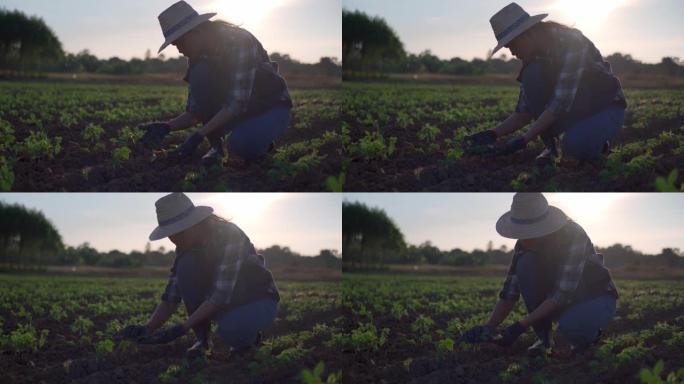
pixel 237 327
pixel 583 139
pixel 579 323
pixel 250 137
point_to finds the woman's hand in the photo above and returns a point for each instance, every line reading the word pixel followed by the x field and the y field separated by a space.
pixel 135 332
pixel 511 334
pixel 188 147
pixel 154 134
pixel 478 334
pixel 164 336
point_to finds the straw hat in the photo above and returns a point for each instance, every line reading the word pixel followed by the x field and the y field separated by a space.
pixel 176 213
pixel 511 22
pixel 530 216
pixel 178 20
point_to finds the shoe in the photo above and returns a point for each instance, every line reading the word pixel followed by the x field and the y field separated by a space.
pixel 549 156
pixel 539 348
pixel 216 154
pixel 213 157
pixel 201 348
pixel 606 148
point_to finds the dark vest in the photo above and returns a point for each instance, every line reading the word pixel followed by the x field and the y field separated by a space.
pixel 595 281
pixel 597 90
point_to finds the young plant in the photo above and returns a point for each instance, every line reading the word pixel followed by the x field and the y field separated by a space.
pixel 120 155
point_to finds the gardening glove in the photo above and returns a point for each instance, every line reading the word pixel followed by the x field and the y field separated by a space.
pixel 478 334
pixel 134 332
pixel 487 137
pixel 187 148
pixel 513 145
pixel 164 336
pixel 154 134
pixel 511 334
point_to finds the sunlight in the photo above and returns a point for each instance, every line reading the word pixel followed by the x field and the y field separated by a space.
pixel 586 15
pixel 248 14
pixel 585 208
pixel 244 208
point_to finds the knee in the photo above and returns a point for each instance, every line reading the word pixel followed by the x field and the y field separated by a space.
pixel 576 333
pixel 242 145
pixel 235 337
pixel 574 146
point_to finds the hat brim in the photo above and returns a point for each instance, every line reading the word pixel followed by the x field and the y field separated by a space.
pixel 186 28
pixel 518 31
pixel 198 214
pixel 553 221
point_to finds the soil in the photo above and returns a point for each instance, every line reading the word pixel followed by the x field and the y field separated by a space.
pixel 78 168
pixel 409 170
pixel 58 362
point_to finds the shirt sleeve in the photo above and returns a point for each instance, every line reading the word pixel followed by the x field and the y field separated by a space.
pixel 572 67
pixel 235 251
pixel 172 292
pixel 511 289
pixel 245 60
pixel 572 269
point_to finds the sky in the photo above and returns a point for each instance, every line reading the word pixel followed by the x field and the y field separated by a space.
pixel 647 29
pixel 305 222
pixel 305 29
pixel 646 221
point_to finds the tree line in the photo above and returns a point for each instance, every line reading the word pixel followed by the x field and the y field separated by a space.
pixel 370 45
pixel 29 240
pixel 371 240
pixel 28 44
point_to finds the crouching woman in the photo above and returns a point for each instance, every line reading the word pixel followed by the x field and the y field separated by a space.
pixel 559 276
pixel 217 274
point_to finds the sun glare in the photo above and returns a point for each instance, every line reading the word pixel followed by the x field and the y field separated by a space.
pixel 244 208
pixel 586 15
pixel 249 14
pixel 585 207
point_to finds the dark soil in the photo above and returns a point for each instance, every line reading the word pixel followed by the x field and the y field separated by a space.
pixel 78 168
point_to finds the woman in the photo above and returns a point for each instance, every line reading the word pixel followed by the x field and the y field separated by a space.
pixel 217 274
pixel 559 275
pixel 566 86
pixel 234 88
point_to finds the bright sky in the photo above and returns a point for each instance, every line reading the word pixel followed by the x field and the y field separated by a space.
pixel 646 29
pixel 305 29
pixel 646 221
pixel 306 222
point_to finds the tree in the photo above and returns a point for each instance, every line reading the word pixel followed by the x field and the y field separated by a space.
pixel 27 42
pixel 27 237
pixel 369 236
pixel 368 43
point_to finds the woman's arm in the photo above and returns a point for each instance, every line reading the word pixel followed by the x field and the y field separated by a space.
pixel 501 310
pixel 513 123
pixel 186 120
pixel 543 123
pixel 201 315
pixel 544 310
pixel 219 120
pixel 162 313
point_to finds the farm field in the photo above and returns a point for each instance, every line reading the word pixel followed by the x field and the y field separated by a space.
pixel 60 330
pixel 408 137
pixel 84 137
pixel 405 329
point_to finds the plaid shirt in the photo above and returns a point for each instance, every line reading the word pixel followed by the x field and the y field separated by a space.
pixel 234 249
pixel 573 249
pixel 576 54
pixel 240 53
